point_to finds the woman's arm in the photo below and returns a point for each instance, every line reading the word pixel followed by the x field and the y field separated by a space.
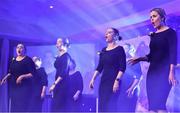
pixel 172 78
pixel 96 73
pixel 24 76
pixel 130 90
pixel 76 95
pixel 55 83
pixel 134 61
pixel 134 84
pixel 135 71
pixel 116 82
pixel 172 42
pixel 122 68
pixel 5 78
pixel 43 92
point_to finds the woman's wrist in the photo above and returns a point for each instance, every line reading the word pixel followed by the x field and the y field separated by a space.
pixel 54 83
pixel 117 79
pixel 93 79
pixel 22 76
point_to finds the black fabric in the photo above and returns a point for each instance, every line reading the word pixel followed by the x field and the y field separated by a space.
pixel 60 94
pixel 21 94
pixel 110 63
pixel 39 80
pixel 75 83
pixel 163 52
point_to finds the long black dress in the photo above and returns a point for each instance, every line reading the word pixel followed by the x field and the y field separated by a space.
pixel 21 94
pixel 125 103
pixel 60 93
pixel 110 62
pixel 163 52
pixel 76 83
pixel 39 81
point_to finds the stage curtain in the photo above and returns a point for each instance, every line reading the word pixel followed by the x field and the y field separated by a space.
pixel 4 52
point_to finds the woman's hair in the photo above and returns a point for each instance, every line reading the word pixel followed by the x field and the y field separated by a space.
pixel 161 12
pixel 66 42
pixel 116 32
pixel 35 58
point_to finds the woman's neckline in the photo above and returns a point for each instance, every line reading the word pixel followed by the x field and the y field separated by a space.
pixel 21 59
pixel 163 30
pixel 72 72
pixel 112 48
pixel 62 54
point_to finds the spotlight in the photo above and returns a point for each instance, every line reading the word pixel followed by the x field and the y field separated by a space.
pixel 51 6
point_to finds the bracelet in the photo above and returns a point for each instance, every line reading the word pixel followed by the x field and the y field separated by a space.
pixel 118 79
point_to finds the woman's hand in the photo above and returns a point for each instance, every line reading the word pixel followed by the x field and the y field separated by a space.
pixel 4 80
pixel 52 88
pixel 91 84
pixel 133 61
pixel 75 97
pixel 116 86
pixel 172 79
pixel 19 79
pixel 130 92
pixel 42 95
pixel 43 92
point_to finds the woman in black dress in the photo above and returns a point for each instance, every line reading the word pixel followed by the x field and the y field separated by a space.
pixel 129 84
pixel 162 58
pixel 76 87
pixel 60 86
pixel 20 75
pixel 113 64
pixel 40 83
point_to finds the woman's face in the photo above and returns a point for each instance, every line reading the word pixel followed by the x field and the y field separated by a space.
pixel 109 35
pixel 20 49
pixel 59 43
pixel 156 19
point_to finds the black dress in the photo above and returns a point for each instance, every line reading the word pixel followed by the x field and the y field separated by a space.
pixel 163 52
pixel 76 83
pixel 125 103
pixel 110 62
pixel 60 93
pixel 21 94
pixel 40 80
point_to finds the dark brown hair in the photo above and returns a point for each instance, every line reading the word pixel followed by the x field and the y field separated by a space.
pixel 65 42
pixel 116 32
